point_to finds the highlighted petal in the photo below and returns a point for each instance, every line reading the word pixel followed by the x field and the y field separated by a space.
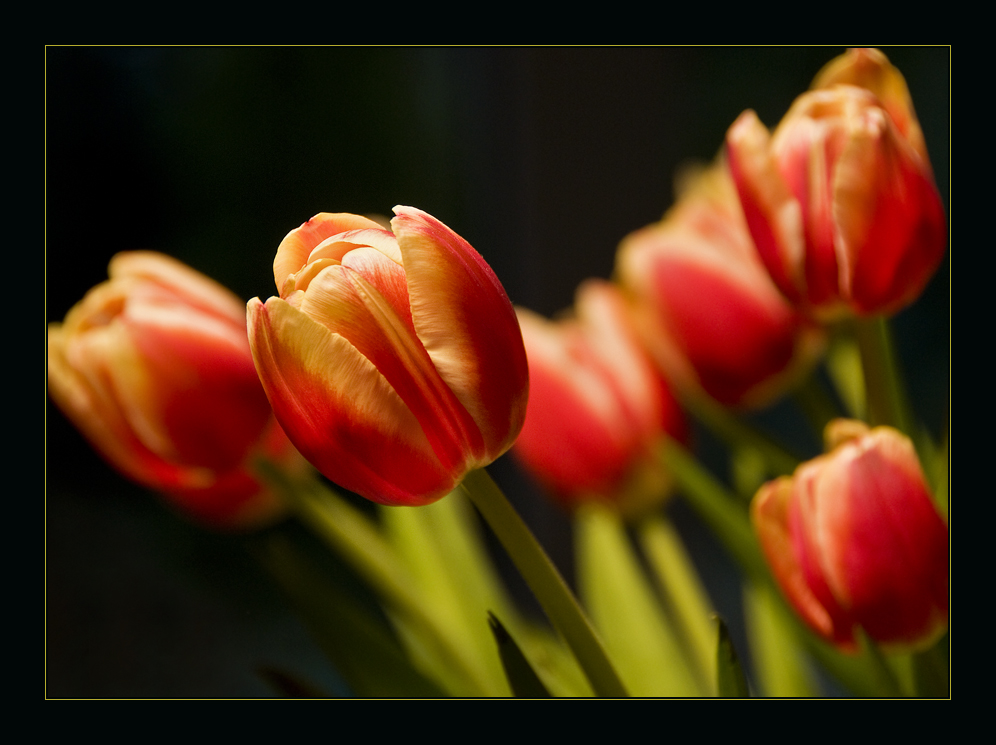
pixel 340 411
pixel 466 323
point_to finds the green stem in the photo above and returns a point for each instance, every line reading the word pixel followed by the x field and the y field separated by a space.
pixel 716 506
pixel 885 392
pixel 736 433
pixel 545 581
pixel 818 408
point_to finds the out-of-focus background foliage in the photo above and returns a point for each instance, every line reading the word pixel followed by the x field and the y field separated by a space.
pixel 543 158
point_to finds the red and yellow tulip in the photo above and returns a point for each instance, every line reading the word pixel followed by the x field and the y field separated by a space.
pixel 708 312
pixel 841 199
pixel 598 408
pixel 854 540
pixel 393 360
pixel 153 367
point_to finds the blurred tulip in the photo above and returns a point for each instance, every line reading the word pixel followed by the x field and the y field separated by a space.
pixel 597 406
pixel 870 69
pixel 841 200
pixel 393 361
pixel 154 368
pixel 854 539
pixel 708 312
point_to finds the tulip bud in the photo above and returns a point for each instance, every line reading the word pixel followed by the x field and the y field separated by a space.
pixel 707 310
pixel 841 200
pixel 393 361
pixel 597 406
pixel 154 368
pixel 854 540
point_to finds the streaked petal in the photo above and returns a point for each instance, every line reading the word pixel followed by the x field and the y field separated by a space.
pixel 340 411
pixel 890 221
pixel 771 211
pixel 770 514
pixel 574 440
pixel 466 323
pixel 871 70
pixel 297 245
pixel 365 300
pixel 854 540
pixel 892 552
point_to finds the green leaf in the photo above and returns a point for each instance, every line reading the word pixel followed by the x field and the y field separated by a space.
pixel 437 545
pixel 360 542
pixel 522 678
pixel 684 595
pixel 843 365
pixel 638 635
pixel 442 546
pixel 930 670
pixel 779 658
pixel 544 579
pixel 356 639
pixel 732 682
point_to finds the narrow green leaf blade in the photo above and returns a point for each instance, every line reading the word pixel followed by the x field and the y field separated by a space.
pixel 732 682
pixel 615 589
pixel 522 678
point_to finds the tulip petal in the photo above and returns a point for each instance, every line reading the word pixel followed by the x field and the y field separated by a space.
pixel 870 69
pixel 466 323
pixel 573 434
pixel 191 360
pixel 80 388
pixel 365 300
pixel 339 410
pixel 297 245
pixel 340 244
pixel 853 538
pixel 771 515
pixel 890 220
pixel 772 212
pixel 737 339
pixel 890 550
pixel 616 350
pixel 806 150
pixel 175 283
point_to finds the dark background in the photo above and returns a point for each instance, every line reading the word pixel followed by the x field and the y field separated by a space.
pixel 543 158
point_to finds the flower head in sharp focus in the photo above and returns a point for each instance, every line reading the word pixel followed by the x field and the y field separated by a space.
pixel 153 367
pixel 393 360
pixel 707 311
pixel 841 199
pixel 854 540
pixel 598 408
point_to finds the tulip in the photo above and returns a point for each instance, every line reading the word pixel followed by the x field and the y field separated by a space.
pixel 840 199
pixel 854 540
pixel 393 360
pixel 708 312
pixel 153 367
pixel 597 408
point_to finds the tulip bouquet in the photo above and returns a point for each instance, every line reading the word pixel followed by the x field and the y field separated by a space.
pixel 353 416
